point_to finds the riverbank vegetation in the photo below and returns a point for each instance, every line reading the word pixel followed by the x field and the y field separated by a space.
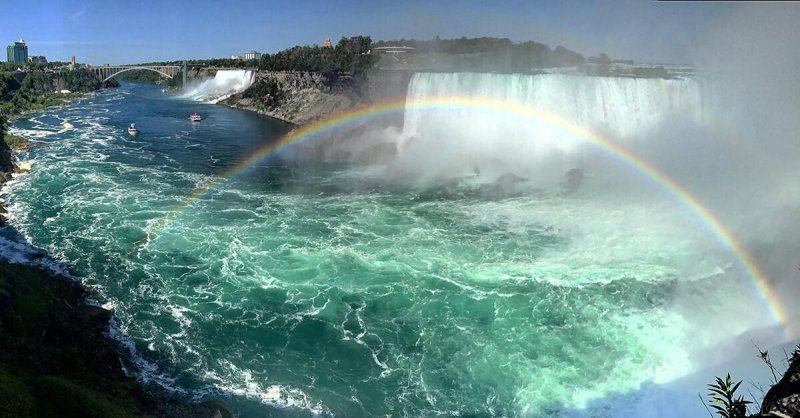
pixel 143 76
pixel 484 54
pixel 16 142
pixel 56 360
pixel 267 92
pixel 349 56
pixel 22 91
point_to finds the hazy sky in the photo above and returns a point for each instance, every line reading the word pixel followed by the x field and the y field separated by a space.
pixel 116 32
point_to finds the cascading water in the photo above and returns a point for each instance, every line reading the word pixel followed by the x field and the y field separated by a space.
pixel 466 138
pixel 325 291
pixel 224 84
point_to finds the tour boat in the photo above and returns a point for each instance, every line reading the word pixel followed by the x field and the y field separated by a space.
pixel 195 117
pixel 132 130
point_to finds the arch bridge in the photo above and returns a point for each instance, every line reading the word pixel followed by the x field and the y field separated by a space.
pixel 107 72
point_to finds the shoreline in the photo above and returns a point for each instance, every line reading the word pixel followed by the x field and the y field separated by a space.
pixel 260 112
pixel 59 357
pixel 88 325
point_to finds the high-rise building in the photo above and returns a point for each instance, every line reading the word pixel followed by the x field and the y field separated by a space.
pixel 72 63
pixel 18 52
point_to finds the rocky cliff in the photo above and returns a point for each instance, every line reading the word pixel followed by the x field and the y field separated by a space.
pixel 783 398
pixel 302 97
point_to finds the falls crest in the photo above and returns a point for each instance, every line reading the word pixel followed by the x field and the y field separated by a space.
pixel 224 84
pixel 456 137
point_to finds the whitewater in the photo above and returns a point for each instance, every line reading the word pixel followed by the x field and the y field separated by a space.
pixel 427 284
pixel 222 85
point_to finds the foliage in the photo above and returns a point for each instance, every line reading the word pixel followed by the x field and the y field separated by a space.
pixel 50 364
pixel 16 142
pixel 80 80
pixel 461 45
pixel 32 90
pixel 650 72
pixel 492 54
pixel 724 399
pixel 350 56
pixel 8 83
pixel 268 92
pixel 16 398
pixel 356 55
pixel 175 82
pixel 142 76
pixel 11 66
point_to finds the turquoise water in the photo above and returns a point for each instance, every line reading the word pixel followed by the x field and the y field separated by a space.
pixel 298 291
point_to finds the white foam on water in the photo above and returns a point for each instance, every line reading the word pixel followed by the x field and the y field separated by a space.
pixel 443 140
pixel 240 382
pixel 224 84
pixel 471 251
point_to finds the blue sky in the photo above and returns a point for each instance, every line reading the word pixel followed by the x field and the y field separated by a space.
pixel 117 32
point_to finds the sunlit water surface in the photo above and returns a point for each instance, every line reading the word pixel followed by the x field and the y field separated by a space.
pixel 299 291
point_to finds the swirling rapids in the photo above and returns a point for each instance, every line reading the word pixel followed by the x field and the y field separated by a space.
pixel 301 292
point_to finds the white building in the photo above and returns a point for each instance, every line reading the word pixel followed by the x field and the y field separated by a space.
pixel 37 59
pixel 252 55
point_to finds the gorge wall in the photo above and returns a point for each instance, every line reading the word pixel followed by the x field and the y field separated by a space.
pixel 302 97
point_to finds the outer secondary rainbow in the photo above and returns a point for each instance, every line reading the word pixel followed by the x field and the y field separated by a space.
pixel 338 120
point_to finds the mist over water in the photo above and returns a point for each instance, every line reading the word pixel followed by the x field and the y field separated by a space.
pixel 448 266
pixel 495 142
pixel 726 135
pixel 224 84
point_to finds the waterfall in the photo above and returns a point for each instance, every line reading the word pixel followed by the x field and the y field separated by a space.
pixel 457 137
pixel 224 84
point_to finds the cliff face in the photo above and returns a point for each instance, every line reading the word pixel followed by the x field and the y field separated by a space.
pixel 58 361
pixel 7 160
pixel 301 97
pixel 56 358
pixel 7 167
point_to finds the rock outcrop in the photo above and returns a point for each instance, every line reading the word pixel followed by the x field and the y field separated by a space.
pixel 57 359
pixel 783 398
pixel 7 167
pixel 302 97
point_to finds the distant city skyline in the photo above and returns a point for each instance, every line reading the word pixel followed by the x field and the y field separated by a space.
pixel 121 32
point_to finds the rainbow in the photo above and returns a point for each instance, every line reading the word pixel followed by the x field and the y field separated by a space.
pixel 744 258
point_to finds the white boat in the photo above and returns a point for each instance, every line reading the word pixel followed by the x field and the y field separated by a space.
pixel 132 129
pixel 195 117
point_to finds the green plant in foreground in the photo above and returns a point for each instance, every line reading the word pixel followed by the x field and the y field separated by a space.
pixel 724 399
